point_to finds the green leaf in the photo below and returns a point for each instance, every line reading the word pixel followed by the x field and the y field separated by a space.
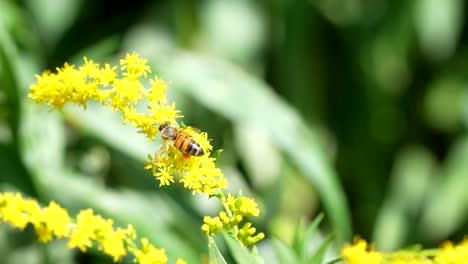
pixel 298 243
pixel 317 258
pixel 240 253
pixel 284 252
pixel 52 17
pixel 309 232
pixel 303 237
pixel 445 210
pixel 10 83
pixel 106 125
pixel 217 153
pixel 215 256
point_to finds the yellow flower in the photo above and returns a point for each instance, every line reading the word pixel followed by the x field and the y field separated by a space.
pixel 134 66
pixel 248 207
pixel 149 254
pixel 107 75
pixel 453 254
pixel 359 253
pixel 16 211
pixel 157 93
pixel 212 225
pixel 84 232
pixel 113 243
pixel 54 221
pixel 164 177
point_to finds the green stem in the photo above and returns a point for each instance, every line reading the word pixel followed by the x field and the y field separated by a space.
pixel 223 200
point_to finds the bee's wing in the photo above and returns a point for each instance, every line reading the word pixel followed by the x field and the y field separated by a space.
pixel 163 149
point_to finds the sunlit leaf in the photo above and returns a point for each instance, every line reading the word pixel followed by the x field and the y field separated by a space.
pixel 240 253
pixel 284 252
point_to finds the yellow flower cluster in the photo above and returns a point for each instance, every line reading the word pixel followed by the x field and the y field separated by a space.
pixel 360 252
pixel 452 254
pixel 88 230
pixel 198 174
pixel 238 208
pixel 122 91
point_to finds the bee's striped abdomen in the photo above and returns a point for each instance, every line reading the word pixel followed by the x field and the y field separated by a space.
pixel 187 145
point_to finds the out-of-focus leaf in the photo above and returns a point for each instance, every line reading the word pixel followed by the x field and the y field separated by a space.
pixel 54 17
pixel 411 176
pixel 243 99
pixel 11 85
pixel 303 236
pixel 43 143
pixel 108 126
pixel 241 254
pixel 310 231
pixel 215 256
pixel 233 29
pixel 260 151
pixel 284 253
pixel 298 241
pixel 341 12
pixel 391 227
pixel 319 254
pixel 444 103
pixel 9 82
pixel 439 25
pixel 447 207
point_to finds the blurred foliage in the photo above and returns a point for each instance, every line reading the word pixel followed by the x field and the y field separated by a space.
pixel 356 108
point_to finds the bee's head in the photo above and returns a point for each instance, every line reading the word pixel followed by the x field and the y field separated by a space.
pixel 163 125
pixel 168 130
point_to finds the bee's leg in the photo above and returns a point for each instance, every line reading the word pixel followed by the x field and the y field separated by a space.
pixel 185 155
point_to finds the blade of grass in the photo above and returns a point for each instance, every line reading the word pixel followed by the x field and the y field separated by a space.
pixel 284 253
pixel 318 256
pixel 240 253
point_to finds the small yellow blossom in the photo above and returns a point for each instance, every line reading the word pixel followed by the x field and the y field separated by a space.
pixel 14 210
pixel 149 254
pixel 54 221
pixel 453 254
pixel 243 206
pixel 113 243
pixel 157 92
pixel 134 66
pixel 359 252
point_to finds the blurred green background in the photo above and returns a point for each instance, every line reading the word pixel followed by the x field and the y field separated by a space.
pixel 355 108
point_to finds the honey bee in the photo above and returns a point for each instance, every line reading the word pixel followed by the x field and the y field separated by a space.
pixel 181 140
